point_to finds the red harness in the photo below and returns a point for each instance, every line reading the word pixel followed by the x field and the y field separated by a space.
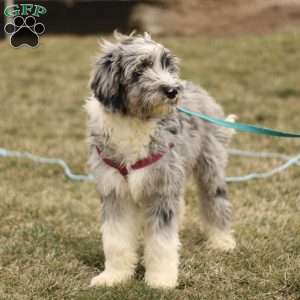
pixel 142 163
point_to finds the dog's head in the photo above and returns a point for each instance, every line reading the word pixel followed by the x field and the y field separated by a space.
pixel 136 76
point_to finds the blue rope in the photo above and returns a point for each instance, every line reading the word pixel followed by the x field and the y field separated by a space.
pixel 251 129
pixel 45 160
pixel 289 161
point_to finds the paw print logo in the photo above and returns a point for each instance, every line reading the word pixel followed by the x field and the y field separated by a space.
pixel 24 32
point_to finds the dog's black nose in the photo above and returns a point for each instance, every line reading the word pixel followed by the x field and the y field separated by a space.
pixel 170 92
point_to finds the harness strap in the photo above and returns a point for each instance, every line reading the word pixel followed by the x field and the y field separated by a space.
pixel 142 163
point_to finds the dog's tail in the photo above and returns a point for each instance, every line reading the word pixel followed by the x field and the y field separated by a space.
pixel 232 119
pixel 225 134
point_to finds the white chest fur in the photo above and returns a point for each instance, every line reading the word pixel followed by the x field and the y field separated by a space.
pixel 128 136
pixel 136 183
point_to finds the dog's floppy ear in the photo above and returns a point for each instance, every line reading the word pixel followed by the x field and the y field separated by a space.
pixel 106 79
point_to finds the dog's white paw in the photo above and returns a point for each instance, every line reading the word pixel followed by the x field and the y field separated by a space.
pixel 161 280
pixel 109 278
pixel 221 241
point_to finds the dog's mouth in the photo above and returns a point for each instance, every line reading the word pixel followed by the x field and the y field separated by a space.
pixel 157 106
pixel 173 102
pixel 166 107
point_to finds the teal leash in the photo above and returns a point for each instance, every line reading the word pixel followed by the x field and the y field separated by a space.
pixel 239 126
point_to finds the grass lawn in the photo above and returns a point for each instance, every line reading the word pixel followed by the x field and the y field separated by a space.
pixel 50 244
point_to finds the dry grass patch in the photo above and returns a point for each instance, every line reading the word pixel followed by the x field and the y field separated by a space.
pixel 49 237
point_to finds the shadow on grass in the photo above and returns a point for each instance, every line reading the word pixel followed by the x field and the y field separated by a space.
pixel 192 235
pixel 88 251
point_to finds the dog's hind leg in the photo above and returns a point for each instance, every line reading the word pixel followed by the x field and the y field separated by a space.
pixel 214 204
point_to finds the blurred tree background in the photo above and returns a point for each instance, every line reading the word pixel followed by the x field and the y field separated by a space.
pixel 169 17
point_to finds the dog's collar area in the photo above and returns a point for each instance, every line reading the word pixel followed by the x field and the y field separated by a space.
pixel 140 164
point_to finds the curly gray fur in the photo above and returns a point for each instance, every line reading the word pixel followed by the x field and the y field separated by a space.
pixel 133 85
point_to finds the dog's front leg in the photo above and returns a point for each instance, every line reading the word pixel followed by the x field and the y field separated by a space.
pixel 120 231
pixel 161 243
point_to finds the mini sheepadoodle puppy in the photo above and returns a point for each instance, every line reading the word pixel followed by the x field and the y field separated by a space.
pixel 141 152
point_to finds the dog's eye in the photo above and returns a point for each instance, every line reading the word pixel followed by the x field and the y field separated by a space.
pixel 147 63
pixel 166 60
pixel 143 65
pixel 138 72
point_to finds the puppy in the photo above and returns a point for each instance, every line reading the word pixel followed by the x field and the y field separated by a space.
pixel 141 152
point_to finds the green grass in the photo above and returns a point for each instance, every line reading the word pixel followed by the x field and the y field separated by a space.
pixel 50 244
